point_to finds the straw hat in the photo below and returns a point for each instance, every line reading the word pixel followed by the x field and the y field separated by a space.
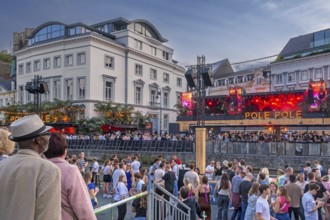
pixel 27 127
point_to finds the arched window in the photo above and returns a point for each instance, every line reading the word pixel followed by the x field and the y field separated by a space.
pixel 49 32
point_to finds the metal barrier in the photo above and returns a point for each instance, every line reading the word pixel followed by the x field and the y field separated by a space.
pixel 158 207
pixel 132 145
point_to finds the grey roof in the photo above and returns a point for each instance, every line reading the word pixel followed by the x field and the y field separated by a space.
pixel 221 68
pixel 245 72
pixel 6 84
pixel 297 44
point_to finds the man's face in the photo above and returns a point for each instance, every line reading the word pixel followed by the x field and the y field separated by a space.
pixel 212 163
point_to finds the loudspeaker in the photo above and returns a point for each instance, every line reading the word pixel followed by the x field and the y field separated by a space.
pixel 190 80
pixel 181 175
pixel 206 78
pixel 44 88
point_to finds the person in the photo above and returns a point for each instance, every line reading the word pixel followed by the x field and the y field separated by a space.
pixel 326 184
pixel 136 164
pixel 252 201
pixel 209 170
pixel 190 202
pixel 121 193
pixel 95 169
pixel 107 177
pixel 310 205
pixel 295 193
pixel 129 176
pixel 204 197
pixel 262 206
pixel 75 199
pixel 139 205
pixel 138 184
pixel 169 179
pixel 191 192
pixel 236 199
pixel 192 176
pixel 223 189
pixel 272 197
pixel 282 204
pixel 301 182
pixel 175 169
pixel 243 189
pixel 218 171
pixel 6 146
pixel 91 188
pixel 29 182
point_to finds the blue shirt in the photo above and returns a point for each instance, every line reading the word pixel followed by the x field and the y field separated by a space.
pixel 235 183
pixel 309 203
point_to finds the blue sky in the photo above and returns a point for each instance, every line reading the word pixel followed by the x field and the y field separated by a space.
pixel 235 29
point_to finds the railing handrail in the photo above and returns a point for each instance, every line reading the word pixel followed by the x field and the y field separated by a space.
pixel 113 205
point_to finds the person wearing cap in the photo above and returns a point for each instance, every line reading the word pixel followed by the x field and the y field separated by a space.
pixel 75 197
pixel 30 185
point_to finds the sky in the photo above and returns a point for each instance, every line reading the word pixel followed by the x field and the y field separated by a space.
pixel 239 30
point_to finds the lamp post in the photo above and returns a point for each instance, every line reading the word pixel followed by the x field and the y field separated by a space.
pixel 159 95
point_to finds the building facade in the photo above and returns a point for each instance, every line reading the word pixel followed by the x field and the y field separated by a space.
pixel 125 62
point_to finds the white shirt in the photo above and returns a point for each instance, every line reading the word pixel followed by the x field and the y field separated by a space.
pixel 121 191
pixel 136 166
pixel 116 175
pixel 209 168
pixel 158 176
pixel 262 207
pixel 96 167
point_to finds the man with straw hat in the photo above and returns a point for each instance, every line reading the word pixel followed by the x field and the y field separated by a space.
pixel 30 186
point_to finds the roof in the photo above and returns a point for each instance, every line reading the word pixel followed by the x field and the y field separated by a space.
pixel 6 84
pixel 297 44
pixel 221 68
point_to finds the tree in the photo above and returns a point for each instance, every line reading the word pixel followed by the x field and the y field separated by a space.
pixel 5 56
pixel 89 126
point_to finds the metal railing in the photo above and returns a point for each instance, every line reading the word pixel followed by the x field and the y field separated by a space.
pixel 157 208
pixel 132 145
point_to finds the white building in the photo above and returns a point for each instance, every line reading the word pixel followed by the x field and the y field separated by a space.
pixel 124 61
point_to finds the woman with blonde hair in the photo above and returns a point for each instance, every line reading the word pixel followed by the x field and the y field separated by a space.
pixel 252 201
pixel 6 146
pixel 282 204
pixel 91 188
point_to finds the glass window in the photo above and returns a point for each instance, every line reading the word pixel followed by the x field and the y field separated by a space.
pixel 153 97
pixel 109 62
pixel 46 63
pixel 291 77
pixel 138 70
pixel 318 73
pixel 138 95
pixel 319 38
pixel 304 75
pixel 69 60
pixel 165 124
pixel 28 67
pixel 81 88
pixel 166 78
pixel 153 51
pixel 36 65
pixel 165 55
pixel 178 82
pixel 153 74
pixel 81 58
pixel 57 62
pixel 278 79
pixel 138 44
pixel 57 89
pixel 69 89
pixel 21 94
pixel 20 69
pixel 166 99
pixel 108 90
pixel 49 32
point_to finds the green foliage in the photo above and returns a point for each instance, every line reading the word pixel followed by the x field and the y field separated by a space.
pixel 89 126
pixel 5 56
pixel 181 110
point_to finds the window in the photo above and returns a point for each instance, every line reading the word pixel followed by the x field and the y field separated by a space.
pixel 138 70
pixel 304 75
pixel 69 89
pixel 28 67
pixel 138 44
pixel 279 79
pixel 81 88
pixel 291 77
pixel 36 65
pixel 108 62
pixel 28 97
pixel 165 120
pixel 153 51
pixel 108 90
pixel 20 69
pixel 165 55
pixel 46 95
pixel 178 97
pixel 49 32
pixel 318 73
pixel 81 58
pixel 57 62
pixel 166 99
pixel 166 78
pixel 69 60
pixel 138 95
pixel 153 97
pixel 178 82
pixel 57 89
pixel 46 64
pixel 21 94
pixel 153 74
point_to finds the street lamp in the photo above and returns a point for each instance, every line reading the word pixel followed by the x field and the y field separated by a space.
pixel 159 95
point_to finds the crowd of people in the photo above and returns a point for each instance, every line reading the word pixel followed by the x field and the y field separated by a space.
pixel 45 183
pixel 229 136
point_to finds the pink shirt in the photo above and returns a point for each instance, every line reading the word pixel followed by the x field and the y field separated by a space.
pixel 75 196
